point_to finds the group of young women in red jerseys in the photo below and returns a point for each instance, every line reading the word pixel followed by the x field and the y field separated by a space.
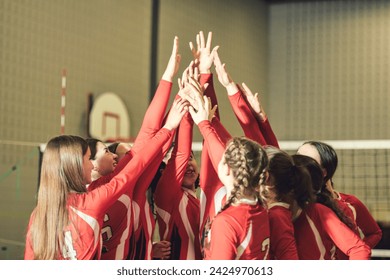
pixel 255 201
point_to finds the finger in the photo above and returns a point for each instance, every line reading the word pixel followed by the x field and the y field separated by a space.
pixel 206 101
pixel 209 38
pixel 202 43
pixel 213 110
pixel 191 69
pixel 247 90
pixel 199 101
pixel 195 88
pixel 175 102
pixel 209 107
pixel 184 76
pixel 192 48
pixel 198 41
pixel 217 60
pixel 196 73
pixel 175 48
pixel 179 83
pixel 194 82
pixel 182 102
pixel 192 111
pixel 214 52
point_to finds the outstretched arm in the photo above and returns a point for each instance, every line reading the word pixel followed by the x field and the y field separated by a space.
pixel 204 56
pixel 241 109
pixel 155 113
pixel 110 192
pixel 253 102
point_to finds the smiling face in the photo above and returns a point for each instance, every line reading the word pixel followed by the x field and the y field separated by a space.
pixel 191 173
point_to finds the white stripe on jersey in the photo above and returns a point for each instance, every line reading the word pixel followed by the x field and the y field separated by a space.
pixel 218 198
pixel 187 225
pixel 136 211
pixel 120 251
pixel 203 201
pixel 317 236
pixel 149 231
pixel 244 244
pixel 93 223
pixel 165 216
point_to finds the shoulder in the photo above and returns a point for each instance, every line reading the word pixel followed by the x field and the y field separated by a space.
pixel 352 199
pixel 317 209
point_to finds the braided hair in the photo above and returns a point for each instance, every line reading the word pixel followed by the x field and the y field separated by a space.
pixel 248 162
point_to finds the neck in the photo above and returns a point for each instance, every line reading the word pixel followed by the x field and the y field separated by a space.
pixel 192 187
pixel 251 200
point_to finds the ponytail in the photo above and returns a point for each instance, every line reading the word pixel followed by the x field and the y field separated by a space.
pixel 322 194
pixel 302 186
pixel 291 182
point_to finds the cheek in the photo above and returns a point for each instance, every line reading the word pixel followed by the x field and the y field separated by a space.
pixel 87 173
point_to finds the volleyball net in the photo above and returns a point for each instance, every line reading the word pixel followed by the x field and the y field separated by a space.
pixel 363 170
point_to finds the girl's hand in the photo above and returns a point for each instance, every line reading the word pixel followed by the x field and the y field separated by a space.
pixel 173 63
pixel 224 77
pixel 204 112
pixel 254 102
pixel 203 54
pixel 176 113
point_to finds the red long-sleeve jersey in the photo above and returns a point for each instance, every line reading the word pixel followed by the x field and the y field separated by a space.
pixel 177 206
pixel 254 128
pixel 120 239
pixel 369 230
pixel 87 210
pixel 239 232
pixel 282 239
pixel 318 231
pixel 212 191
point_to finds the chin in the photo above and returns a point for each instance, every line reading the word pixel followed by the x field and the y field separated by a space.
pixel 188 185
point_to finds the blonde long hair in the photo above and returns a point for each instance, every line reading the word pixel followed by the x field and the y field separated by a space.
pixel 61 173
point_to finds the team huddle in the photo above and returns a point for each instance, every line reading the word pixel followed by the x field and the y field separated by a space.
pixel 247 199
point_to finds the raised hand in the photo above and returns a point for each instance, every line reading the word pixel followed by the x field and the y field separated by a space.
pixel 173 63
pixel 204 111
pixel 223 76
pixel 203 53
pixel 190 77
pixel 176 113
pixel 254 102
